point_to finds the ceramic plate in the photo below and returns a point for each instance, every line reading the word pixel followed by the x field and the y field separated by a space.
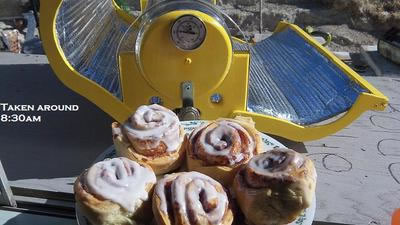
pixel 304 219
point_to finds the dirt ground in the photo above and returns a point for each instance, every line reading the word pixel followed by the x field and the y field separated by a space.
pixel 379 12
pixel 351 22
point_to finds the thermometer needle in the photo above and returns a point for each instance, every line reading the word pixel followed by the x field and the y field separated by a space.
pixel 187 32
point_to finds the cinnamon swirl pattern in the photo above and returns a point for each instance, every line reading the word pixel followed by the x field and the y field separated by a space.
pixel 190 198
pixel 153 135
pixel 218 148
pixel 275 187
pixel 115 191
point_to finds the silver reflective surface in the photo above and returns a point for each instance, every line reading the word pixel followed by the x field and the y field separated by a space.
pixel 291 80
pixel 89 33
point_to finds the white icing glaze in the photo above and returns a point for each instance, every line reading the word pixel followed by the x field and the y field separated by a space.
pixel 160 191
pixel 186 189
pixel 157 124
pixel 277 165
pixel 120 180
pixel 212 140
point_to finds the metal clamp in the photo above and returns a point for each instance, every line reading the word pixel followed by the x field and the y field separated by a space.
pixel 188 111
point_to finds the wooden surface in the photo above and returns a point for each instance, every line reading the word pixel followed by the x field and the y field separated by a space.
pixel 359 167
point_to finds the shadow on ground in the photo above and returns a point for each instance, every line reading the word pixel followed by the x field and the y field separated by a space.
pixel 64 143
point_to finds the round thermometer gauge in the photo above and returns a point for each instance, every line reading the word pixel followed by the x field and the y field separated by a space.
pixel 188 32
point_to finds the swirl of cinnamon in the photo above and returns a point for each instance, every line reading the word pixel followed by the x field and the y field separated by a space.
pixel 275 187
pixel 119 180
pixel 191 198
pixel 153 130
pixel 223 143
pixel 282 165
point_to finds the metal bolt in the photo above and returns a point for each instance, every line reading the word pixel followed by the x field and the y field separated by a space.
pixel 216 98
pixel 189 113
pixel 188 61
pixel 156 100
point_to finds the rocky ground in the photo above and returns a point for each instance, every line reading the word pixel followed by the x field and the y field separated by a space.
pixel 351 22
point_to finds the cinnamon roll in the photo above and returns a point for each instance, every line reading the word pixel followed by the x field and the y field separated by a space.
pixel 220 147
pixel 115 192
pixel 152 135
pixel 190 198
pixel 275 187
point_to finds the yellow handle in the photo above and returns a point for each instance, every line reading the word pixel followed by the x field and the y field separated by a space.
pixel 295 132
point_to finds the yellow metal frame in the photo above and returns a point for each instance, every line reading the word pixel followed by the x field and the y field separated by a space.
pixel 121 110
pixel 143 5
pixel 123 14
pixel 210 72
pixel 374 100
pixel 165 66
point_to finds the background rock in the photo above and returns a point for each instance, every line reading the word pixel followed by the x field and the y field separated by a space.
pixel 351 22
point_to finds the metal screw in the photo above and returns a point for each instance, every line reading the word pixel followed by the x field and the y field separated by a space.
pixel 216 98
pixel 156 100
pixel 188 61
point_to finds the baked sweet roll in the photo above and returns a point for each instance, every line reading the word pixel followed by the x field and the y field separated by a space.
pixel 275 187
pixel 115 192
pixel 220 147
pixel 152 135
pixel 190 198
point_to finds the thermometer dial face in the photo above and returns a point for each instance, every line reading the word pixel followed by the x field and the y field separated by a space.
pixel 188 32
